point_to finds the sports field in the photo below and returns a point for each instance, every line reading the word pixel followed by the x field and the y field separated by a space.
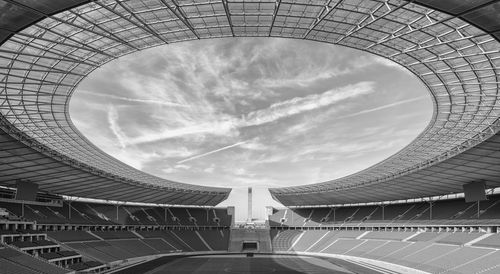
pixel 278 264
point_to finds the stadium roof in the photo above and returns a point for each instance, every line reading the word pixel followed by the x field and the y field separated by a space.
pixel 50 46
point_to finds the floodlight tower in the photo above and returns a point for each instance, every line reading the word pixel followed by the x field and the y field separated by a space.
pixel 249 217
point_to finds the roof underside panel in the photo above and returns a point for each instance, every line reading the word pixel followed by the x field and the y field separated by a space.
pixel 480 163
pixel 20 161
pixel 47 51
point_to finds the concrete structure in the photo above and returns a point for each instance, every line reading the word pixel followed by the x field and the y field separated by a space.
pixel 249 214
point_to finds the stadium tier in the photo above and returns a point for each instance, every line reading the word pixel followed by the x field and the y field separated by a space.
pixel 432 252
pixel 97 247
pixel 453 211
pixel 107 214
pixel 92 241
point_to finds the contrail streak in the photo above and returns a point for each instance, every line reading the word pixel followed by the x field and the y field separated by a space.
pixel 381 107
pixel 211 152
pixel 135 100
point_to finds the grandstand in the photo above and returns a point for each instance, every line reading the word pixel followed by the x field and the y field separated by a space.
pixel 68 207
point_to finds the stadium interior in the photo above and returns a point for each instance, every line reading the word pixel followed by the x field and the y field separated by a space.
pixel 68 207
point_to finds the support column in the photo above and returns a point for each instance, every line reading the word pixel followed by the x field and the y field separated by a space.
pixel 69 210
pixel 117 217
pixel 430 210
pixel 478 208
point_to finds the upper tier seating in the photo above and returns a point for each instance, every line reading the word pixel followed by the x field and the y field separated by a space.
pixel 455 211
pixel 106 214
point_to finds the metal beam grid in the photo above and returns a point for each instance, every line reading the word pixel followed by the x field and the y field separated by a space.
pixel 446 177
pixel 19 161
pixel 41 65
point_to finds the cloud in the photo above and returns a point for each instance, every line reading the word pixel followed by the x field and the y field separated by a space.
pixel 305 78
pixel 270 114
pixel 168 170
pixel 254 144
pixel 299 105
pixel 220 128
pixel 209 169
pixel 331 116
pixel 239 171
pixel 247 112
pixel 185 167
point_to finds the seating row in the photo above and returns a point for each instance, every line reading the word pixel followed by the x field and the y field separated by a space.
pixel 443 252
pixel 108 214
pixel 455 211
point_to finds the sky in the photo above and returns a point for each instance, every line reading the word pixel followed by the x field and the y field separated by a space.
pixel 259 112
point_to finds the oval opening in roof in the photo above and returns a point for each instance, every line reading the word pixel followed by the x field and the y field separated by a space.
pixel 251 112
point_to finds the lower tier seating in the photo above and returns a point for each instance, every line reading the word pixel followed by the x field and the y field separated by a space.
pixel 115 235
pixel 81 250
pixel 85 265
pixel 19 262
pixel 492 241
pixel 434 252
pixel 216 239
pixel 145 243
pixel 71 236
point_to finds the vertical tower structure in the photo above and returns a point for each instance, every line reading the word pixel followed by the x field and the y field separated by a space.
pixel 249 215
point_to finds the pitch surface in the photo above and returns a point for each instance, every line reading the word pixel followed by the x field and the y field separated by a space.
pixel 242 265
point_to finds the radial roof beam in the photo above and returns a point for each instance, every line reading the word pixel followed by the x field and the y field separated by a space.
pixel 179 13
pixel 103 32
pixel 227 11
pixel 277 5
pixel 361 24
pixel 324 13
pixel 141 24
pixel 106 35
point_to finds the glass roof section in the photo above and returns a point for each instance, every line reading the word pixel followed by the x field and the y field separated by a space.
pixel 458 62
